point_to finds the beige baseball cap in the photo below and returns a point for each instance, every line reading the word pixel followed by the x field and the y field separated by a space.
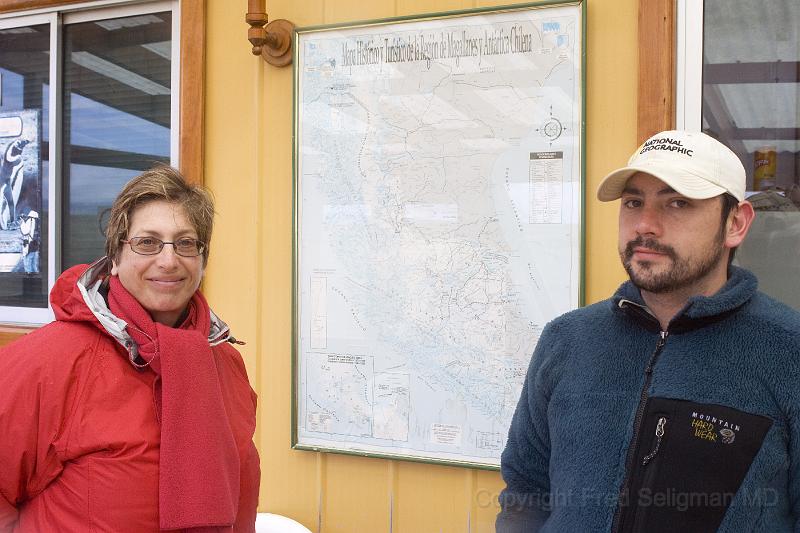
pixel 691 162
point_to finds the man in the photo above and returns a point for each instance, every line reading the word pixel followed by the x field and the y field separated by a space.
pixel 31 237
pixel 674 405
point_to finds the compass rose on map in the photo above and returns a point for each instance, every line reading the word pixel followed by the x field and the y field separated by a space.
pixel 552 128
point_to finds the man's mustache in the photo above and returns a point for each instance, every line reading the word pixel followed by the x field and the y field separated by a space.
pixel 650 244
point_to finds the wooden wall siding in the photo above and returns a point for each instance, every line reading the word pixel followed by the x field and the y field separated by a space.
pixel 248 165
pixel 12 333
pixel 657 45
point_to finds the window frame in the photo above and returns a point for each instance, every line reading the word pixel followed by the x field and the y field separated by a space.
pixel 656 76
pixel 186 114
pixel 28 315
pixel 689 72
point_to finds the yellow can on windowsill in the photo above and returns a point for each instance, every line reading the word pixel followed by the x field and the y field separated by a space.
pixel 765 160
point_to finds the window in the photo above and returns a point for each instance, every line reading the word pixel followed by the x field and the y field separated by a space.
pixel 88 99
pixel 24 136
pixel 744 89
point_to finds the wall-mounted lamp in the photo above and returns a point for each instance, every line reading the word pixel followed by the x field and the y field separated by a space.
pixel 273 43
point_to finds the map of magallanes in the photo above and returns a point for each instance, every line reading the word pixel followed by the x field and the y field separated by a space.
pixel 438 186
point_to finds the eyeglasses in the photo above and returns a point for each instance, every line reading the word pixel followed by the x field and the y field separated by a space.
pixel 185 246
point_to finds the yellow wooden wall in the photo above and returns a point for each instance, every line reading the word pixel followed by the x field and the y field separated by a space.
pixel 248 166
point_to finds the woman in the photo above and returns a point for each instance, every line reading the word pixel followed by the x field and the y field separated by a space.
pixel 132 412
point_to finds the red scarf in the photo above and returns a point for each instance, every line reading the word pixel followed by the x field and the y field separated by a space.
pixel 198 462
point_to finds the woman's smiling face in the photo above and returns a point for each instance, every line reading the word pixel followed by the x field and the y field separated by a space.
pixel 162 283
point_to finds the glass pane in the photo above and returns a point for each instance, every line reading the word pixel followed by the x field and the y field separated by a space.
pixel 24 80
pixel 751 102
pixel 116 119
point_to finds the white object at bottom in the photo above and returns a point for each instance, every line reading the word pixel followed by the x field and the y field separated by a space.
pixel 274 523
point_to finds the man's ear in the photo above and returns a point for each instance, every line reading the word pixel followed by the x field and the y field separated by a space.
pixel 738 224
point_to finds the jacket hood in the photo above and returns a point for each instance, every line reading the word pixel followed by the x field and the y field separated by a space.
pixel 67 299
pixel 699 310
pixel 77 296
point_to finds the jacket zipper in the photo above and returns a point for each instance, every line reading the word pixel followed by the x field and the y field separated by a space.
pixel 629 463
pixel 639 516
pixel 659 435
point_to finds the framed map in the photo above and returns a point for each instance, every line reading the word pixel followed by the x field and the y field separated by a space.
pixel 438 224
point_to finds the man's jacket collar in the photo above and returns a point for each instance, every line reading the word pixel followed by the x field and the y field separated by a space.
pixel 699 311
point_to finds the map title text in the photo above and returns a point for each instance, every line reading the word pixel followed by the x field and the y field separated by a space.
pixel 430 47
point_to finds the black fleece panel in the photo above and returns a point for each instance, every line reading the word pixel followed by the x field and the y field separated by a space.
pixel 685 479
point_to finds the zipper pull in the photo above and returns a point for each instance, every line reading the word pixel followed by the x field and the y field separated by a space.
pixel 659 434
pixel 663 340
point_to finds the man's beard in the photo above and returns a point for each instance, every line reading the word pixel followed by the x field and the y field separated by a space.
pixel 683 273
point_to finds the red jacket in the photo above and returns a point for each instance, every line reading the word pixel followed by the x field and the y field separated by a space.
pixel 79 438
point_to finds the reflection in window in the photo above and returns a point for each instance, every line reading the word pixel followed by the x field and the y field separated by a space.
pixel 116 119
pixel 751 102
pixel 24 74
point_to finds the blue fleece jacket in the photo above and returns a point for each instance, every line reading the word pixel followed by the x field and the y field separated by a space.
pixel 622 427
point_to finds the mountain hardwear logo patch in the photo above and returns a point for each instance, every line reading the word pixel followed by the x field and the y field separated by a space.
pixel 728 436
pixel 711 428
